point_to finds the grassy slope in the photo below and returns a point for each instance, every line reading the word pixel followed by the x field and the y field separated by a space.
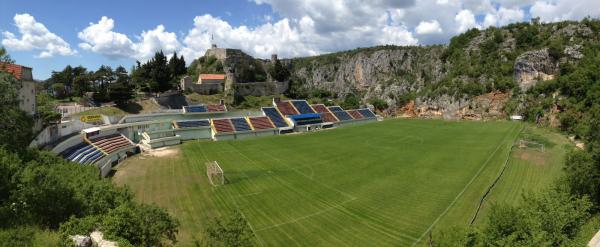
pixel 389 183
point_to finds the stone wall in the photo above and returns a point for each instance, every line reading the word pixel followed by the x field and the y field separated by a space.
pixel 261 88
pixel 207 89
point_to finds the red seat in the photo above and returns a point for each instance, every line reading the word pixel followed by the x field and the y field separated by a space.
pixel 261 123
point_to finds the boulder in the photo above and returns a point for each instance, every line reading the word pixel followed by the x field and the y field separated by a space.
pixel 533 66
pixel 82 241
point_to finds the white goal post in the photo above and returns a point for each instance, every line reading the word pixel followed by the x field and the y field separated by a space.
pixel 531 144
pixel 214 173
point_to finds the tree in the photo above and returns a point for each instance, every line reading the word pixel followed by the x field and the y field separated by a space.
pixel 44 197
pixel 350 102
pixel 278 72
pixel 141 225
pixel 160 72
pixel 15 128
pixel 10 89
pixel 379 104
pixel 230 231
pixel 583 175
pixel 177 66
pixel 4 56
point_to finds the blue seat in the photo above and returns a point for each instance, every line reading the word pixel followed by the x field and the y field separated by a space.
pixel 335 108
pixel 275 117
pixel 80 151
pixel 195 108
pixel 88 157
pixel 367 113
pixel 302 106
pixel 69 151
pixel 193 123
pixel 240 124
pixel 79 158
pixel 342 115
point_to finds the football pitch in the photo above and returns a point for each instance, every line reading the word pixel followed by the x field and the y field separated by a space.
pixel 379 184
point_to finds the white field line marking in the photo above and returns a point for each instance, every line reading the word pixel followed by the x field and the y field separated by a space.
pixel 249 194
pixel 307 216
pixel 304 175
pixel 463 190
pixel 238 208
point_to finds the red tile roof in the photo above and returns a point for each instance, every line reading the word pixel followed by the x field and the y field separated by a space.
pixel 15 69
pixel 212 76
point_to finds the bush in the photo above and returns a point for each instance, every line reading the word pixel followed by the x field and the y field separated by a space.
pixel 141 225
pixel 350 102
pixel 229 231
pixel 379 104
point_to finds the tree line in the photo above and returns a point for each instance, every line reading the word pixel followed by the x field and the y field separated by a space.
pixel 158 74
pixel 40 191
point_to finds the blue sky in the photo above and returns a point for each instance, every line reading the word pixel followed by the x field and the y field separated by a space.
pixel 48 35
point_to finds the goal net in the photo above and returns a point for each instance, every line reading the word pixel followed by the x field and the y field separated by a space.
pixel 214 173
pixel 525 144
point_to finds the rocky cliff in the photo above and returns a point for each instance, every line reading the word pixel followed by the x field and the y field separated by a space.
pixel 471 78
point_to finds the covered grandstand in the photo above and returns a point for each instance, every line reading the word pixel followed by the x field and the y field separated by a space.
pixel 105 146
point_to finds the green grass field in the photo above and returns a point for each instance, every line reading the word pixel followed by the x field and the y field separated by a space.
pixel 380 184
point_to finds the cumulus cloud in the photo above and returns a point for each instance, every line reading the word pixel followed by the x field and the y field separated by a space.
pixel 558 10
pixel 310 27
pixel 289 37
pixel 428 27
pixel 503 16
pixel 35 36
pixel 466 20
pixel 100 38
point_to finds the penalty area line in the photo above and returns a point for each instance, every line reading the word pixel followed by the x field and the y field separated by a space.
pixel 463 190
pixel 306 216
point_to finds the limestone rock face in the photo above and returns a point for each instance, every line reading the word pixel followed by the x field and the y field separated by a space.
pixel 82 241
pixel 533 66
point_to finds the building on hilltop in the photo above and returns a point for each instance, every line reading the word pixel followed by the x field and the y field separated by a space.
pixel 27 91
pixel 243 75
pixel 211 78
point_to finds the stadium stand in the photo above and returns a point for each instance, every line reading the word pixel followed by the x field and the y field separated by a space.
pixel 274 115
pixel 367 113
pixel 355 114
pixel 320 108
pixel 69 151
pixel 195 108
pixel 286 108
pixel 192 123
pixel 240 124
pixel 261 123
pixel 342 115
pixel 111 143
pixel 216 108
pixel 328 117
pixel 302 106
pixel 223 125
pixel 335 108
pixel 85 154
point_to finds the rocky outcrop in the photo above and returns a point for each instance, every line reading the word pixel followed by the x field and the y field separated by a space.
pixel 533 66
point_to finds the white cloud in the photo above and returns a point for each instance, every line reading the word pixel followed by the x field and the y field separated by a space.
pixel 310 27
pixel 289 38
pixel 100 38
pixel 35 36
pixel 559 10
pixel 466 20
pixel 428 27
pixel 503 16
